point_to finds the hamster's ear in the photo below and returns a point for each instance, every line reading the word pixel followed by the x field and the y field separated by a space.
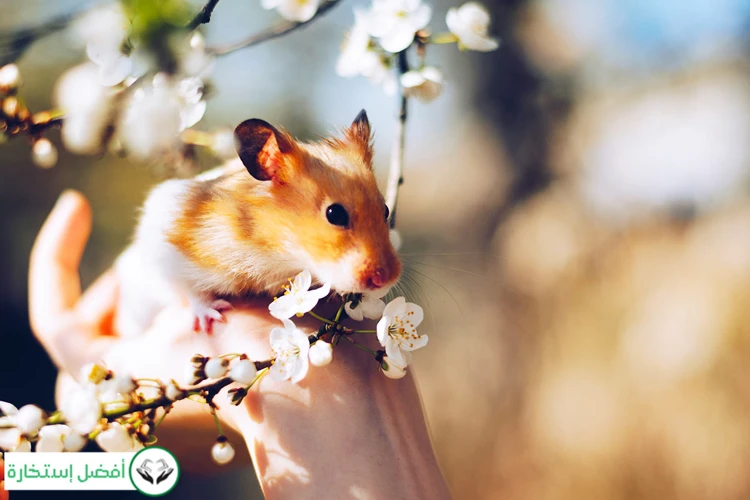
pixel 263 149
pixel 358 136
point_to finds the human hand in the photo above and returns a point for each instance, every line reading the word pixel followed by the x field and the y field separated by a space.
pixel 345 430
pixel 77 329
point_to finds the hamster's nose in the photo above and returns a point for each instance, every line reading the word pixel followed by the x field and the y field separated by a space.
pixel 377 278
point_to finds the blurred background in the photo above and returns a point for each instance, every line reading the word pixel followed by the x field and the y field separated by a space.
pixel 576 223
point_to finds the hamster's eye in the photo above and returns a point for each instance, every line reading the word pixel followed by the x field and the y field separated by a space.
pixel 337 215
pixel 387 212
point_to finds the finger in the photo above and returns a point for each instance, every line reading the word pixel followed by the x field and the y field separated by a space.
pixel 97 306
pixel 54 285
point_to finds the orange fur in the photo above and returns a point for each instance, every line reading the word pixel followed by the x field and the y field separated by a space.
pixel 286 215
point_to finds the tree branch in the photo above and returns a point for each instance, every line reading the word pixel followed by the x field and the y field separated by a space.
pixel 204 16
pixel 276 31
pixel 395 174
pixel 14 43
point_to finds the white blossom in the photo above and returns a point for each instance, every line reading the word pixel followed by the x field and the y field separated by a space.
pixel 123 384
pixel 298 298
pixel 243 371
pixel 395 22
pixel 82 409
pixel 114 67
pixel 23 446
pixel 290 347
pixel 470 24
pixel 359 56
pixel 424 84
pixel 216 367
pixel 74 442
pixel 116 438
pixel 192 57
pixel 115 390
pixel 370 306
pixel 87 107
pixel 392 369
pixel 152 119
pixel 12 440
pixel 8 411
pixel 105 31
pixel 192 106
pixel 321 353
pixel 397 330
pixel 293 10
pixel 222 451
pixel 29 419
pixel 57 438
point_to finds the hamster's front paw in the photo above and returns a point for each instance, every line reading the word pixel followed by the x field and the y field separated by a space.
pixel 205 313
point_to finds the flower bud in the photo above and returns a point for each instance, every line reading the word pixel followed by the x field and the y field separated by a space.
pixel 243 371
pixel 391 369
pixel 321 353
pixel 194 375
pixel 52 438
pixel 24 446
pixel 216 367
pixel 10 78
pixel 44 153
pixel 11 106
pixel 29 419
pixel 116 439
pixel 173 392
pixel 238 394
pixel 198 360
pixel 123 384
pixel 74 442
pixel 222 451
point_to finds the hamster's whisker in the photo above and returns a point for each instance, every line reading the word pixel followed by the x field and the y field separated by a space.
pixel 410 269
pixel 443 267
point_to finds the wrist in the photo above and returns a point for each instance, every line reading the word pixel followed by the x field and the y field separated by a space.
pixel 345 424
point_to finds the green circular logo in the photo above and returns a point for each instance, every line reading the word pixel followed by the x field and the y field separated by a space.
pixel 154 471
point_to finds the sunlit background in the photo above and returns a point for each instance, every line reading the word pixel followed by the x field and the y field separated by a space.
pixel 576 223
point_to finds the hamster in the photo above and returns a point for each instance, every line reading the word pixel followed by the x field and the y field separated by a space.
pixel 245 228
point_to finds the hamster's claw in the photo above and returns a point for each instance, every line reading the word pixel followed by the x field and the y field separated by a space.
pixel 206 314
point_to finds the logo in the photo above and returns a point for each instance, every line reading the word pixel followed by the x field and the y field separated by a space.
pixel 154 471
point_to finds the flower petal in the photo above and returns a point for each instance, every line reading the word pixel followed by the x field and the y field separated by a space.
pixel 382 328
pixel 414 344
pixel 396 307
pixel 417 313
pixel 321 292
pixel 283 307
pixel 7 408
pixel 393 351
pixel 302 281
pixel 354 313
pixel 398 38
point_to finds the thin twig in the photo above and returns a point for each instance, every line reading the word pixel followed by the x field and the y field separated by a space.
pixel 14 43
pixel 204 16
pixel 396 172
pixel 276 31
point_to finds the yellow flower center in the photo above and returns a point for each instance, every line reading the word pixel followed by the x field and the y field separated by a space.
pixel 403 330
